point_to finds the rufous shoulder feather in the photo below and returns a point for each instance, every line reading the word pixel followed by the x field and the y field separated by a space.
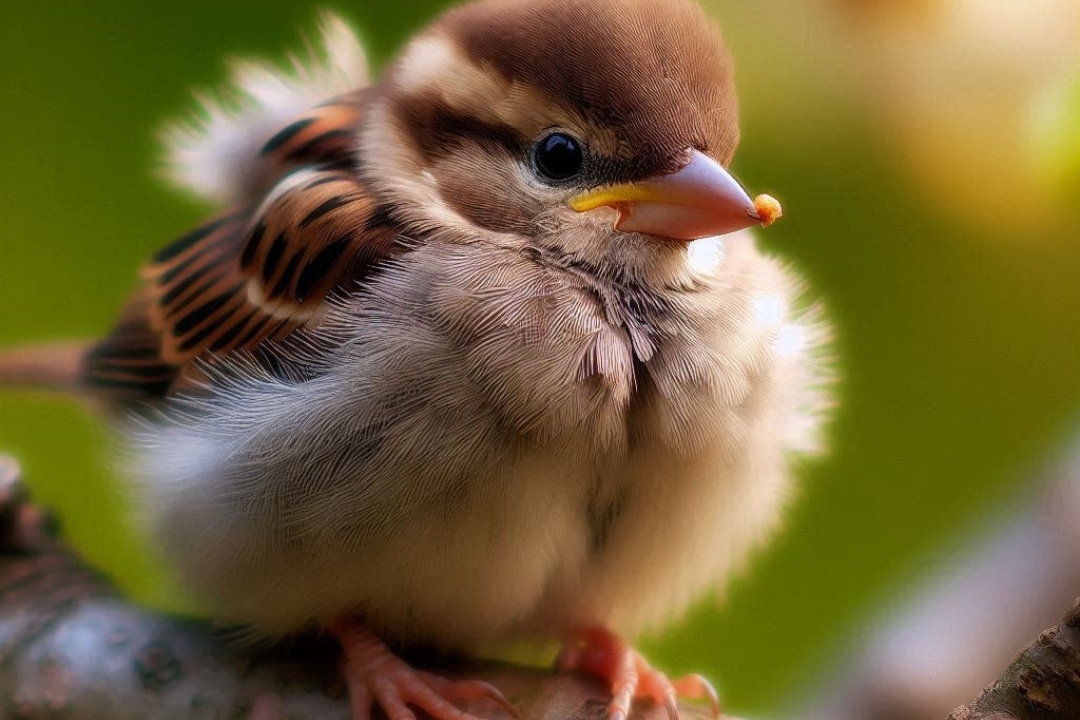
pixel 218 151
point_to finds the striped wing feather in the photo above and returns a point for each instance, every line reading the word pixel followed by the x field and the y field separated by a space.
pixel 323 136
pixel 251 275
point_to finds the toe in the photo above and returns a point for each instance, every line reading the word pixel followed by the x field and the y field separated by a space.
pixel 468 691
pixel 624 687
pixel 601 653
pixel 696 687
pixel 375 675
pixel 360 698
pixel 655 685
pixel 671 705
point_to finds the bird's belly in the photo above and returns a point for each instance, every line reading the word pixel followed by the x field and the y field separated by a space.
pixel 464 571
pixel 672 527
pixel 471 575
pixel 627 544
pixel 555 540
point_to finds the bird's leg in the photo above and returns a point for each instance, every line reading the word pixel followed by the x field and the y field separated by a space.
pixel 375 675
pixel 601 653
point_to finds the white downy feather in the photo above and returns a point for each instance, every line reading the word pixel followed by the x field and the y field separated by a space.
pixel 214 151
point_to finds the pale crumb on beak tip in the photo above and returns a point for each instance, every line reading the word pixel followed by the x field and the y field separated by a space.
pixel 767 209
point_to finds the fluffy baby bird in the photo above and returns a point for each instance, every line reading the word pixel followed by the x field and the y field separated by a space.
pixel 465 361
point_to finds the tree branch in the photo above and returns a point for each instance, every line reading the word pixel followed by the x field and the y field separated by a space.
pixel 1042 684
pixel 71 647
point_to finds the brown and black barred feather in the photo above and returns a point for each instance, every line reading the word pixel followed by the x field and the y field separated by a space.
pixel 325 136
pixel 255 274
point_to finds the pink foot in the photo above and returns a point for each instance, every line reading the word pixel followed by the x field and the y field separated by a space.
pixel 603 654
pixel 374 675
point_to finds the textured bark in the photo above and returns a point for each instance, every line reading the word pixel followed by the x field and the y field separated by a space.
pixel 1042 684
pixel 71 647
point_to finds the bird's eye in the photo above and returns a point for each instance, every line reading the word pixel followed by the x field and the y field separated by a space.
pixel 558 157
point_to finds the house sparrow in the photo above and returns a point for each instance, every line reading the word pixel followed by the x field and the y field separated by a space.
pixel 466 361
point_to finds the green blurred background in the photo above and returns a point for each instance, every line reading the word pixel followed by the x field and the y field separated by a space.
pixel 928 156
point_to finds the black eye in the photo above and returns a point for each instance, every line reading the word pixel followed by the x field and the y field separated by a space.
pixel 558 157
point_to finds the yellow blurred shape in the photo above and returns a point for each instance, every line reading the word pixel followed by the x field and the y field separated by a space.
pixel 957 89
pixel 1055 137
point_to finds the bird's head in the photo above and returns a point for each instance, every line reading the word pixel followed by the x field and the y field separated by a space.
pixel 573 121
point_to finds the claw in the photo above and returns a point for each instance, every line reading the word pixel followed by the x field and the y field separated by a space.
pixel 374 675
pixel 469 690
pixel 671 704
pixel 696 687
pixel 604 655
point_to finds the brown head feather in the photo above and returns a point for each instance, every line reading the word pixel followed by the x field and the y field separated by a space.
pixel 636 82
pixel 654 74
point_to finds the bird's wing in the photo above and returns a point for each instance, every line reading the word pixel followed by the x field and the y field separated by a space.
pixel 252 274
pixel 323 135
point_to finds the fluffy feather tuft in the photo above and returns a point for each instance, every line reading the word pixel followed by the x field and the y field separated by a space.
pixel 215 151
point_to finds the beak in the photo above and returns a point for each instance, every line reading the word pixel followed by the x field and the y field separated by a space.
pixel 698 200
